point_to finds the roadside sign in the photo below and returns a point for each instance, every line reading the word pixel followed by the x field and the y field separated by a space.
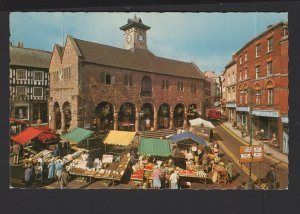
pixel 252 153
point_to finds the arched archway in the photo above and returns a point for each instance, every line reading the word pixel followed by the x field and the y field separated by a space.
pixel 192 112
pixel 104 113
pixel 146 87
pixel 163 116
pixel 146 116
pixel 57 116
pixel 179 115
pixel 67 115
pixel 126 117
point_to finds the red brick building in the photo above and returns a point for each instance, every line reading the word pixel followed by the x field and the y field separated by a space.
pixel 262 73
pixel 114 88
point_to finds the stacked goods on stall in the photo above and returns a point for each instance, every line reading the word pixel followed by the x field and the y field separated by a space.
pixel 47 156
pixel 120 170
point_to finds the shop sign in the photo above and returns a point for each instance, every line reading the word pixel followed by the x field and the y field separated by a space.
pixel 246 109
pixel 265 113
pixel 231 105
pixel 107 158
pixel 251 154
pixel 285 119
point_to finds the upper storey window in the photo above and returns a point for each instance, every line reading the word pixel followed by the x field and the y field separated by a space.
pixel 146 86
pixel 257 50
pixel 21 74
pixel 270 44
pixel 105 78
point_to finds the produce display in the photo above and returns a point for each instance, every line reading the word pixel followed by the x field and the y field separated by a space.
pixel 192 173
pixel 148 166
pixel 138 175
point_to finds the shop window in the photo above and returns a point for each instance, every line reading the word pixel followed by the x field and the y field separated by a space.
pixel 38 75
pixel 269 68
pixel 180 86
pixel 193 87
pixel 270 96
pixel 21 112
pixel 128 80
pixel 37 91
pixel 21 90
pixel 257 72
pixel 165 84
pixel 21 74
pixel 257 50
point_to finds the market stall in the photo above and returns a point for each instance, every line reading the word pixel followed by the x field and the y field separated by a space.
pixel 77 137
pixel 199 122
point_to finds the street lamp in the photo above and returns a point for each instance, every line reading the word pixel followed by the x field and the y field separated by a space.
pixel 251 92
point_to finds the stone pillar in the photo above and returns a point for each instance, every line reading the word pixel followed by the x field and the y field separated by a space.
pixel 171 126
pixel 52 121
pixel 137 121
pixel 116 120
pixel 155 119
pixel 63 125
pixel 185 123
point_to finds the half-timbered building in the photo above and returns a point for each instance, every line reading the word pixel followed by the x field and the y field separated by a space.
pixel 29 83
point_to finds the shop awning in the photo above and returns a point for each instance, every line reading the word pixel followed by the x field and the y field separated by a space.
pixel 121 138
pixel 154 147
pixel 43 128
pixel 77 135
pixel 27 135
pixel 187 135
pixel 14 120
pixel 199 122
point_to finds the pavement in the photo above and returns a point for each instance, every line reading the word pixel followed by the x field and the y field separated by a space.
pixel 269 151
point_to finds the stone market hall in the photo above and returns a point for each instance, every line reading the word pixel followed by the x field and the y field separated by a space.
pixel 104 87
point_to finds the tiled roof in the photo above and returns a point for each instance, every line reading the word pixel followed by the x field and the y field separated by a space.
pixel 29 57
pixel 139 60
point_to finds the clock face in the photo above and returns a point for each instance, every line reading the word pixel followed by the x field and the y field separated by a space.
pixel 128 38
pixel 140 38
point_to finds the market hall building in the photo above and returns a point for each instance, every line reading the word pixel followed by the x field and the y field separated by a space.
pixel 104 87
pixel 262 66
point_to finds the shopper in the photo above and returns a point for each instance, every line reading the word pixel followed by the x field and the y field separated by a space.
pixel 51 170
pixel 229 170
pixel 271 178
pixel 28 174
pixel 156 177
pixel 174 180
pixel 58 169
pixel 16 150
pixel 38 172
pixel 63 180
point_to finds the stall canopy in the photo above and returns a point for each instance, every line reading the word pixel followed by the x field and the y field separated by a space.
pixel 27 135
pixel 77 135
pixel 188 135
pixel 154 147
pixel 121 138
pixel 199 122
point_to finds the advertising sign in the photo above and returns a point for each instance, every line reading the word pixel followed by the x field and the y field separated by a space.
pixel 107 158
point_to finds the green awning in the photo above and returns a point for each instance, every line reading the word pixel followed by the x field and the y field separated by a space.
pixel 77 135
pixel 154 147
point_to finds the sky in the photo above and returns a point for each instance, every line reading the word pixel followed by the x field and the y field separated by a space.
pixel 207 39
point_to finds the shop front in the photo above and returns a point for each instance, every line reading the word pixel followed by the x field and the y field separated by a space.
pixel 241 116
pixel 231 112
pixel 265 126
pixel 285 134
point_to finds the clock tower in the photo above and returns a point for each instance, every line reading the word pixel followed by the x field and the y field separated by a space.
pixel 135 35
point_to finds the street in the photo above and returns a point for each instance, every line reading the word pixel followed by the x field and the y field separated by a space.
pixel 231 145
